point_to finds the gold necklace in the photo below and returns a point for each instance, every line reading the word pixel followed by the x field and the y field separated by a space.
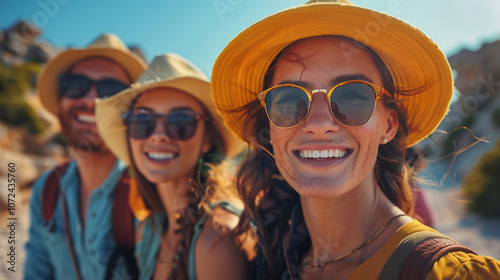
pixel 164 264
pixel 173 264
pixel 364 244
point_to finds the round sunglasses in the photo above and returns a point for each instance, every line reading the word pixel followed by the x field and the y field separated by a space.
pixel 177 125
pixel 352 103
pixel 76 86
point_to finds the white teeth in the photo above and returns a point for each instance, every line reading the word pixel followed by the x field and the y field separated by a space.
pixel 86 118
pixel 336 153
pixel 160 156
pixel 324 153
pixel 315 154
pixel 332 153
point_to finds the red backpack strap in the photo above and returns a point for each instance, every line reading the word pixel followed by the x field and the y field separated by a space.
pixel 50 191
pixel 422 259
pixel 123 220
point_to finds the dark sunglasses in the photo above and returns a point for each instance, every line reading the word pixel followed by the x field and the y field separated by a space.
pixel 76 86
pixel 177 125
pixel 352 103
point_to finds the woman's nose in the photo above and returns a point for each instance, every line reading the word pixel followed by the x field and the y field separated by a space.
pixel 159 133
pixel 320 120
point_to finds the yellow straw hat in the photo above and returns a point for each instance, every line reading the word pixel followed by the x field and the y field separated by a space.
pixel 412 58
pixel 106 45
pixel 168 70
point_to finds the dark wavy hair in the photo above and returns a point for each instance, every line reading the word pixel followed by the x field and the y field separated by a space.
pixel 204 184
pixel 269 199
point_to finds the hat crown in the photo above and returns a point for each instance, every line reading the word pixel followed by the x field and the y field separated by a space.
pixel 413 60
pixel 167 67
pixel 347 2
pixel 108 40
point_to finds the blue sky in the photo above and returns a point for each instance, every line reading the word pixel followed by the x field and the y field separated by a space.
pixel 200 29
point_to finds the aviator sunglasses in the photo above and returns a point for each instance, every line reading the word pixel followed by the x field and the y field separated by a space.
pixel 352 103
pixel 177 125
pixel 76 86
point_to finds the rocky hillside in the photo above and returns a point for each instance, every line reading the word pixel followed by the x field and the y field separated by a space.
pixel 19 44
pixel 29 135
pixel 474 117
pixel 26 130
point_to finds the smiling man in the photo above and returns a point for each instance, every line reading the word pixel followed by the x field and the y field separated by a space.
pixel 71 231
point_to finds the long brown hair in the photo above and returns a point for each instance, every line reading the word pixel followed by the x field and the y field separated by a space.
pixel 269 199
pixel 206 182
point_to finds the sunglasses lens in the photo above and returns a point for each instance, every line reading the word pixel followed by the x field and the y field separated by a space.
pixel 73 86
pixel 286 106
pixel 181 126
pixel 140 126
pixel 107 88
pixel 353 104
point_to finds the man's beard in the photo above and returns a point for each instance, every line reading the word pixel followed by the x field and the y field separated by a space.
pixel 84 141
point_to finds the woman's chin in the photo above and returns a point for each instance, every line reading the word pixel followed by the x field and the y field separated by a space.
pixel 157 178
pixel 312 190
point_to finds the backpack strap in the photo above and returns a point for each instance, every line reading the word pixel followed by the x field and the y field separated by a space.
pixel 123 222
pixel 50 192
pixel 123 219
pixel 123 232
pixel 421 260
pixel 69 240
pixel 226 206
pixel 417 253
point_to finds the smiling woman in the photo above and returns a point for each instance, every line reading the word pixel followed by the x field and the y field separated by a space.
pixel 330 106
pixel 166 128
pixel 170 153
pixel 315 62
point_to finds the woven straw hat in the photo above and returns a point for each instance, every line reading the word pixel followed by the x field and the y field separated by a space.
pixel 412 58
pixel 106 45
pixel 168 70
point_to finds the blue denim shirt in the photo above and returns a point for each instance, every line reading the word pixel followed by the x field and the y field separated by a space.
pixel 48 255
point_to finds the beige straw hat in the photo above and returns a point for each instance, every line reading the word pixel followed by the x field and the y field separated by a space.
pixel 168 70
pixel 412 58
pixel 106 45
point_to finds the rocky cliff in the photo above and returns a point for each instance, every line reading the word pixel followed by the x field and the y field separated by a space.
pixel 19 44
pixel 474 116
pixel 29 135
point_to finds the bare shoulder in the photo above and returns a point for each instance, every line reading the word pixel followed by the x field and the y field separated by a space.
pixel 215 234
pixel 217 253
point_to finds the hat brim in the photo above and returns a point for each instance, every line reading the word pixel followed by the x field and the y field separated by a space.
pixel 48 79
pixel 112 129
pixel 412 58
